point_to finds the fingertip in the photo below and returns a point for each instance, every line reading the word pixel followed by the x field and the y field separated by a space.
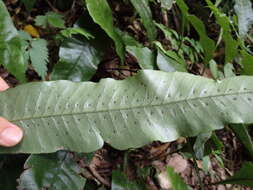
pixel 11 136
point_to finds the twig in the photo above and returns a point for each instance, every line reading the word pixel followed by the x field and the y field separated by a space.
pixel 98 176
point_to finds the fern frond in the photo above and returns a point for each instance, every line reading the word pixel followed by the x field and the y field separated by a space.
pixel 39 56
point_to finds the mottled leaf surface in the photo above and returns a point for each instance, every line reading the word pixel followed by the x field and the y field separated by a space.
pixel 78 61
pixel 153 105
pixel 52 171
pixel 244 11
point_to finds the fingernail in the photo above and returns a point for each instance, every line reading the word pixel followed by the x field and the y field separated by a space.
pixel 11 136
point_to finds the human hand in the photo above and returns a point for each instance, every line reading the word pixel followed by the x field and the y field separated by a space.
pixel 10 134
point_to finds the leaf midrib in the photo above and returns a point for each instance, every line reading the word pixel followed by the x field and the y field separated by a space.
pixel 134 107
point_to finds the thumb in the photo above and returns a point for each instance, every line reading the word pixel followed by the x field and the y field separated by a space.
pixel 10 134
pixel 3 85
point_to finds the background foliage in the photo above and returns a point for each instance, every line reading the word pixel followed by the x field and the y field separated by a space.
pixel 89 40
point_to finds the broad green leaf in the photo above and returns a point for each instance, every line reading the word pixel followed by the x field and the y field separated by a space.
pixel 24 36
pixel 171 54
pixel 244 11
pixel 50 19
pixel 176 182
pixel 153 105
pixel 241 131
pixel 56 20
pixel 142 8
pixel 128 39
pixel 199 145
pixel 11 56
pixel 101 13
pixel 214 69
pixel 144 56
pixel 206 42
pixel 216 143
pixel 39 56
pixel 167 63
pixel 120 182
pixel 205 164
pixel 242 177
pixel 51 171
pixel 229 70
pixel 78 61
pixel 29 4
pixel 168 60
pixel 231 45
pixel 247 63
pixel 41 20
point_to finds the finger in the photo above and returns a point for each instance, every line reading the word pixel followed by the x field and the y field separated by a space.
pixel 10 134
pixel 3 85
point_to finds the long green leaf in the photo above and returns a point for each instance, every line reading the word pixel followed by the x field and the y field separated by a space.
pixel 242 177
pixel 39 56
pixel 142 7
pixel 241 131
pixel 11 56
pixel 206 42
pixel 153 105
pixel 51 171
pixel 168 60
pixel 167 63
pixel 101 13
pixel 231 45
pixel 247 63
pixel 144 56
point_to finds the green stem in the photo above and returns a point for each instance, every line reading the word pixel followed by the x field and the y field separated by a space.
pixel 197 172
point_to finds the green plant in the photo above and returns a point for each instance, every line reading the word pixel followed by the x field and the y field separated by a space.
pixel 10 45
pixel 89 121
pixel 35 52
pixel 184 46
pixel 51 19
pixel 159 104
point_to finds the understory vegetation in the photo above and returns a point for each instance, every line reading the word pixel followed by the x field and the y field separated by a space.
pixel 128 94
